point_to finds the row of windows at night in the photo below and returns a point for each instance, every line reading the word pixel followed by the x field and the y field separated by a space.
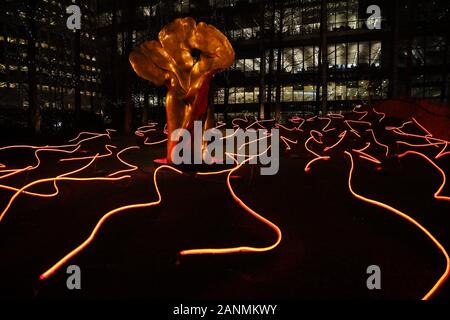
pixel 301 19
pixel 11 67
pixel 349 90
pixel 300 59
pixel 336 91
pixel 43 45
pixel 305 19
pixel 426 50
pixel 46 88
pixel 106 18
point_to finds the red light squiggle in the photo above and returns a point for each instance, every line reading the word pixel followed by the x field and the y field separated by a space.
pixel 444 179
pixel 341 136
pixel 63 177
pixel 241 248
pixel 91 237
pixel 382 114
pixel 409 219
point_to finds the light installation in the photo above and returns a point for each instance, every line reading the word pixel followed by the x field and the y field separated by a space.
pixel 356 136
pixel 319 140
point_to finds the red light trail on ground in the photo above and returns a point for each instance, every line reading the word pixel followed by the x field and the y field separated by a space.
pixel 312 133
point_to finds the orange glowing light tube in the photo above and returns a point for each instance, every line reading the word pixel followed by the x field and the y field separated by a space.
pixel 63 177
pixel 341 136
pixel 443 153
pixel 97 227
pixel 444 178
pixel 286 140
pixel 131 167
pixel 379 143
pixel 241 203
pixel 382 114
pixel 444 276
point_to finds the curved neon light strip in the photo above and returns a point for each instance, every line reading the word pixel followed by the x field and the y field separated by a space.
pixel 91 237
pixel 341 136
pixel 379 143
pixel 241 248
pixel 286 140
pixel 131 167
pixel 62 177
pixel 309 164
pixel 444 178
pixel 409 219
pixel 108 147
pixel 324 129
pixel 365 113
pixel 443 153
pixel 154 143
pixel 382 114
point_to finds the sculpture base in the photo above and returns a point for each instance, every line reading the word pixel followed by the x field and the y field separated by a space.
pixel 194 167
pixel 161 161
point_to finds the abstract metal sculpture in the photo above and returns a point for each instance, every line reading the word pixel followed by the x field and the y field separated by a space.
pixel 170 62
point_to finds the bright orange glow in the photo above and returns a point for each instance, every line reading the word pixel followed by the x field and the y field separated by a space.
pixel 341 136
pixel 314 142
pixel 382 114
pixel 443 153
pixel 379 143
pixel 97 227
pixel 422 127
pixel 107 147
pixel 324 129
pixel 154 143
pixel 251 212
pixel 444 178
pixel 365 113
pixel 366 156
pixel 308 165
pixel 286 140
pixel 63 177
pixel 129 165
pixel 409 219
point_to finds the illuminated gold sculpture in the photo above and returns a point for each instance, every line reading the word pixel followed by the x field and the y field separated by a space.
pixel 170 62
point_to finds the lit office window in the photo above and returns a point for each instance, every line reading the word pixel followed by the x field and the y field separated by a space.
pixel 287 60
pixel 341 54
pixel 363 89
pixel 297 92
pixel 287 94
pixel 331 89
pixel 352 55
pixel 311 58
pixel 249 65
pixel 375 53
pixel 341 91
pixel 363 59
pixel 342 15
pixel 232 95
pixel 352 90
pixel 219 97
pixel 240 95
pixel 182 6
pixel 297 61
pixel 309 92
pixel 251 94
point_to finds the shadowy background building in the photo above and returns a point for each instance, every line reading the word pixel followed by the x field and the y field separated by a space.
pixel 291 57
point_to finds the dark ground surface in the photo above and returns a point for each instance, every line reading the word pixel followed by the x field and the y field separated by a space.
pixel 329 237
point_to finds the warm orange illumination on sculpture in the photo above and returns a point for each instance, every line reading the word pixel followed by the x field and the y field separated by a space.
pixel 170 62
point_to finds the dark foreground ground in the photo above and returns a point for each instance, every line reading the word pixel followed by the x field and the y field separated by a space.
pixel 329 237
